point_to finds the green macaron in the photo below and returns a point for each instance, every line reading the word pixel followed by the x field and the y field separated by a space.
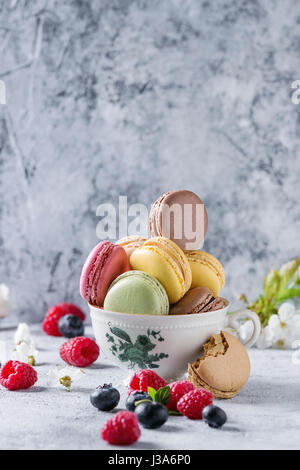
pixel 137 292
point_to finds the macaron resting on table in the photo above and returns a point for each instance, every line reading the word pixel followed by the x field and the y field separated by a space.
pixel 206 271
pixel 224 367
pixel 105 262
pixel 181 216
pixel 137 292
pixel 163 259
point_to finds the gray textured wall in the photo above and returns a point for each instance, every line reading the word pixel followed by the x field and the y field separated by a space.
pixel 134 98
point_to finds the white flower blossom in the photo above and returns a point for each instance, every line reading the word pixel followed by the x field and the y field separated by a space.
pixel 286 311
pixel 22 334
pixel 5 301
pixel 283 326
pixel 25 352
pixel 266 338
pixel 245 331
pixel 65 376
pixel 282 329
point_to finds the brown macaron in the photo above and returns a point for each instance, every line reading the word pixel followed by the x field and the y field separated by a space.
pixel 181 216
pixel 224 367
pixel 215 304
pixel 198 300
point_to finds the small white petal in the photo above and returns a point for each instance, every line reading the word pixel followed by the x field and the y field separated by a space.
pixel 245 331
pixel 22 351
pixel 295 324
pixel 266 338
pixel 274 321
pixel 286 311
pixel 56 374
pixel 22 334
pixel 269 333
pixel 261 342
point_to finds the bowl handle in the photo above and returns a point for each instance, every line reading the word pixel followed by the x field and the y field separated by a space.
pixel 243 314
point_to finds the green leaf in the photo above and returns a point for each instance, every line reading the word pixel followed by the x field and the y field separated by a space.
pixel 287 294
pixel 152 393
pixel 120 334
pixel 174 413
pixel 287 271
pixel 272 283
pixel 279 285
pixel 163 395
pixel 297 280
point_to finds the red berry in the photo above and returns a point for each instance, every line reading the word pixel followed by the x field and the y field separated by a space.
pixel 16 375
pixel 122 429
pixel 54 313
pixel 79 351
pixel 145 378
pixel 178 389
pixel 193 402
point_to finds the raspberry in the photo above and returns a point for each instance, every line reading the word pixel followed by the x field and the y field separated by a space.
pixel 79 351
pixel 145 378
pixel 54 313
pixel 178 389
pixel 193 402
pixel 122 429
pixel 16 375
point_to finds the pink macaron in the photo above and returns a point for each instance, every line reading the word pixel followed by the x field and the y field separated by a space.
pixel 105 262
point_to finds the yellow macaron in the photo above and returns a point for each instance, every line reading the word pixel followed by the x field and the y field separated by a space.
pixel 206 270
pixel 163 259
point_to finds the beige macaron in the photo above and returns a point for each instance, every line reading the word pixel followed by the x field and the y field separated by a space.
pixel 131 243
pixel 224 367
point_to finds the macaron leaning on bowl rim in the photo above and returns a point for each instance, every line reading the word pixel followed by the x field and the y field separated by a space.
pixel 206 271
pixel 198 300
pixel 137 292
pixel 105 262
pixel 164 260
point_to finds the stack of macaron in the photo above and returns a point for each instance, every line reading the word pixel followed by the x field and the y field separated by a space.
pixel 163 275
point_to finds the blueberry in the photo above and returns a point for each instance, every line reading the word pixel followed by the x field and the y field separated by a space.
pixel 105 398
pixel 214 416
pixel 151 415
pixel 136 396
pixel 70 326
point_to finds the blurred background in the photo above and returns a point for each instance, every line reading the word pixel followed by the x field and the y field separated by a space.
pixel 134 98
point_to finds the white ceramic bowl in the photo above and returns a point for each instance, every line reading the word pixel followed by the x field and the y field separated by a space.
pixel 163 343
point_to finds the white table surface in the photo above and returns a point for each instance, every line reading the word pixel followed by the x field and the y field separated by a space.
pixel 265 415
